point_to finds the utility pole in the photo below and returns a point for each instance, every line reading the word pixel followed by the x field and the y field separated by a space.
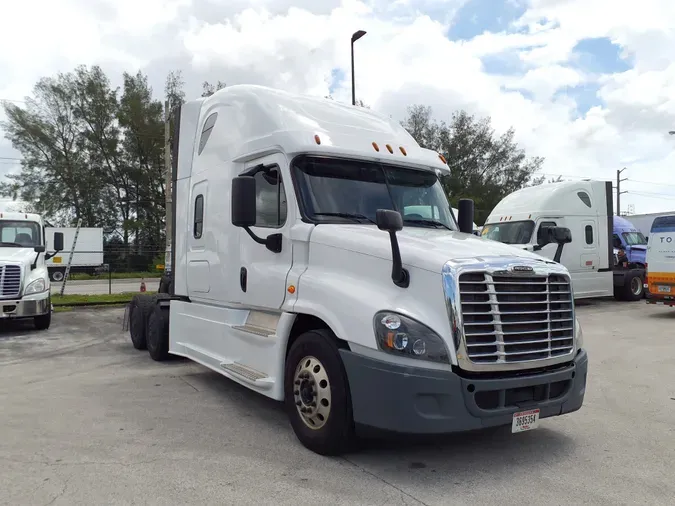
pixel 167 187
pixel 618 190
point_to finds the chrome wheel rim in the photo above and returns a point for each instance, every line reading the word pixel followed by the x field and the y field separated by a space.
pixel 636 285
pixel 311 392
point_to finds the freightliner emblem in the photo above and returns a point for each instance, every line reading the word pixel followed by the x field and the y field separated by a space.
pixel 522 268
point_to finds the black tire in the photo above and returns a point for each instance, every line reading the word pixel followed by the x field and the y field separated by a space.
pixel 139 309
pixel 158 333
pixel 633 288
pixel 56 275
pixel 43 321
pixel 337 434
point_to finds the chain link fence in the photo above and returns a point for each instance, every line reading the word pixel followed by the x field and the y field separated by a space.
pixel 106 272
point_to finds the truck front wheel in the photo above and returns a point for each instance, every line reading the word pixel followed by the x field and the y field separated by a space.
pixel 317 397
pixel 157 333
pixel 43 321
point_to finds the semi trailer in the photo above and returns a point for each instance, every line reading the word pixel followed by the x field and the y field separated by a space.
pixel 303 269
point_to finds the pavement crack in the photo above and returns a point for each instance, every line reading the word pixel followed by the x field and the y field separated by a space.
pixel 182 378
pixel 399 489
pixel 60 494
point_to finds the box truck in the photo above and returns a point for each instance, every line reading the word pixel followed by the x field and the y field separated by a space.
pixel 88 254
pixel 303 269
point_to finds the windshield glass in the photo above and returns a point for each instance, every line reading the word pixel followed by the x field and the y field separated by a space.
pixel 350 190
pixel 512 232
pixel 19 234
pixel 634 238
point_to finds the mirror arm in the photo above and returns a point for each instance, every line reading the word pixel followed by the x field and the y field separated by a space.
pixel 537 247
pixel 50 255
pixel 558 252
pixel 399 275
pixel 34 264
pixel 272 242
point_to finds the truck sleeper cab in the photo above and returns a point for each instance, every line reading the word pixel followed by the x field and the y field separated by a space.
pixel 305 267
pixel 24 280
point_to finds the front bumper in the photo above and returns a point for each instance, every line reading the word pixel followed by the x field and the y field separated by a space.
pixel 26 307
pixel 422 401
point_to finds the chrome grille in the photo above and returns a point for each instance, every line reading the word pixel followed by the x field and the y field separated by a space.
pixel 10 280
pixel 516 318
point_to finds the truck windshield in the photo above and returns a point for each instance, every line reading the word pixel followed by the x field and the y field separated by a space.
pixel 634 238
pixel 512 232
pixel 19 234
pixel 350 190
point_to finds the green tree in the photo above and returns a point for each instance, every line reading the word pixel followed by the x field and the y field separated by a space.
pixel 483 166
pixel 209 89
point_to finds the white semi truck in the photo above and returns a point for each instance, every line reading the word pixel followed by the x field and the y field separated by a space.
pixel 24 280
pixel 303 270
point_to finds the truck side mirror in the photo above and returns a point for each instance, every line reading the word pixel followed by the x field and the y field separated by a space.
pixel 243 201
pixel 244 212
pixel 39 249
pixel 465 211
pixel 560 236
pixel 58 241
pixel 392 222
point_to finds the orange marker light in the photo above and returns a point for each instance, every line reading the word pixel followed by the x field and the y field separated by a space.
pixel 377 148
pixel 317 139
pixel 291 289
pixel 442 158
pixel 403 151
pixel 389 148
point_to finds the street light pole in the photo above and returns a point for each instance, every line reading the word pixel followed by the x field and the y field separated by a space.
pixel 355 36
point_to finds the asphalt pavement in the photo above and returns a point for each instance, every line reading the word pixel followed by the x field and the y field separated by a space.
pixel 86 419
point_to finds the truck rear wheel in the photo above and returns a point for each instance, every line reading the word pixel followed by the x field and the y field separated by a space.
pixel 317 397
pixel 633 288
pixel 158 333
pixel 139 308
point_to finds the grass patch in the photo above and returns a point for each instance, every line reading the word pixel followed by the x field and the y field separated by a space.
pixel 99 298
pixel 83 276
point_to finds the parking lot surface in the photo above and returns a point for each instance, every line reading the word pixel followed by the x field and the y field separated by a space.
pixel 86 419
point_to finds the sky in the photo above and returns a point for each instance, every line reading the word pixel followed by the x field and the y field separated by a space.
pixel 587 84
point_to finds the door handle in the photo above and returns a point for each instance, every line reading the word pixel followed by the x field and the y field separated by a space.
pixel 243 275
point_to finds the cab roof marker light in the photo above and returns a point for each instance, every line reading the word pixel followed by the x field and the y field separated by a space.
pixel 442 158
pixel 376 147
pixel 390 149
pixel 402 149
pixel 317 139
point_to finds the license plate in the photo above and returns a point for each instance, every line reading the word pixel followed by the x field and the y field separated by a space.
pixel 664 289
pixel 525 420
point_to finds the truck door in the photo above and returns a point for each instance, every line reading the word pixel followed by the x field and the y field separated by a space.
pixel 263 273
pixel 590 254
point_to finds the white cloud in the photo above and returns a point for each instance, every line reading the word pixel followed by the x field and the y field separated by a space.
pixel 405 58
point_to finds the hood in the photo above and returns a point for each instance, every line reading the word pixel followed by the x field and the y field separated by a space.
pixel 17 255
pixel 424 248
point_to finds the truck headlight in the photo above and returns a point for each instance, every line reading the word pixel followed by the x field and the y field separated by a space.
pixel 578 334
pixel 403 336
pixel 36 286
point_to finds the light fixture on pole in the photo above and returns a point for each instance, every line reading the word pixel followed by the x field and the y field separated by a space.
pixel 355 36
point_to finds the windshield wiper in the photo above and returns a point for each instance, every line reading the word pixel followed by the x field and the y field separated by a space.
pixel 3 243
pixel 354 216
pixel 432 223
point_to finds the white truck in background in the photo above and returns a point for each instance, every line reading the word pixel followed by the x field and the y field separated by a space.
pixel 24 282
pixel 585 207
pixel 88 254
pixel 303 269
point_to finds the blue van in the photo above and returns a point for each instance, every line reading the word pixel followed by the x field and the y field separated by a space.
pixel 629 239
